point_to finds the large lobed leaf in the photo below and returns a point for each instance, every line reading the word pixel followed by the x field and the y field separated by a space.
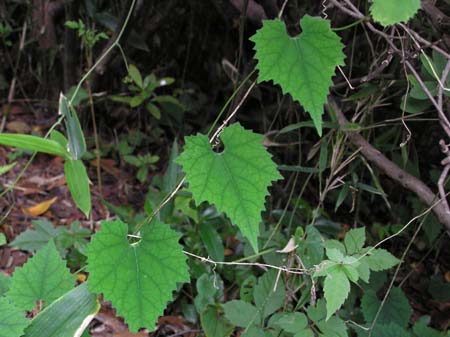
pixel 390 12
pixel 303 66
pixel 137 278
pixel 12 319
pixel 44 277
pixel 236 180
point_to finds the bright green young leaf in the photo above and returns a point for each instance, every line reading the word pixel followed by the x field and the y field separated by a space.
pixel 381 259
pixel 396 309
pixel 236 180
pixel 78 183
pixel 32 143
pixel 44 277
pixel 303 66
pixel 389 12
pixel 2 239
pixel 354 240
pixel 137 278
pixel 336 289
pixel 269 293
pixel 241 313
pixel 335 244
pixel 33 239
pixel 76 142
pixel 12 319
pixel 69 315
pixel 214 324
pixel 335 255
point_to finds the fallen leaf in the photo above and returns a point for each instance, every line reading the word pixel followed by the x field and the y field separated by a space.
pixel 290 246
pixel 447 276
pixel 18 127
pixel 81 277
pixel 40 208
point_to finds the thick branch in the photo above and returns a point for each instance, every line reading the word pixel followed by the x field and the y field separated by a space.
pixel 408 181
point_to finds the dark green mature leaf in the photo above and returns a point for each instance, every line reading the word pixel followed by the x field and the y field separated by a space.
pixel 241 313
pixel 138 278
pixel 44 277
pixel 68 316
pixel 235 180
pixel 214 324
pixel 396 309
pixel 208 288
pixel 212 241
pixel 31 240
pixel 78 183
pixel 311 249
pixel 32 143
pixel 269 293
pixel 302 66
pixel 293 322
pixel 12 319
pixel 386 330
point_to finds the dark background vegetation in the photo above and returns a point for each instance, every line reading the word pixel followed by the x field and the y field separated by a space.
pixel 204 46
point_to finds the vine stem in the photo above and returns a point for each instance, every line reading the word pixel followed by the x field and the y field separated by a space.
pixel 105 54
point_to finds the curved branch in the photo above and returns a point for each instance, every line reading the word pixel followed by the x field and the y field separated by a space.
pixel 392 170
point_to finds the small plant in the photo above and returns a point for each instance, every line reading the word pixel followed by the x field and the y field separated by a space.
pixel 143 92
pixel 89 36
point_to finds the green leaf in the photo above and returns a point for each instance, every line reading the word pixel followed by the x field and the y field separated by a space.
pixel 381 259
pixel 154 110
pixel 137 278
pixel 269 293
pixel 292 322
pixel 212 241
pixel 69 315
pixel 396 309
pixel 387 330
pixel 235 180
pixel 78 183
pixel 354 240
pixel 32 143
pixel 76 141
pixel 214 324
pixel 6 168
pixel 207 291
pixel 420 329
pixel 311 249
pixel 5 281
pixel 388 12
pixel 335 244
pixel 333 327
pixel 2 239
pixel 336 289
pixel 31 240
pixel 12 319
pixel 335 255
pixel 44 277
pixel 241 313
pixel 135 75
pixel 303 66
